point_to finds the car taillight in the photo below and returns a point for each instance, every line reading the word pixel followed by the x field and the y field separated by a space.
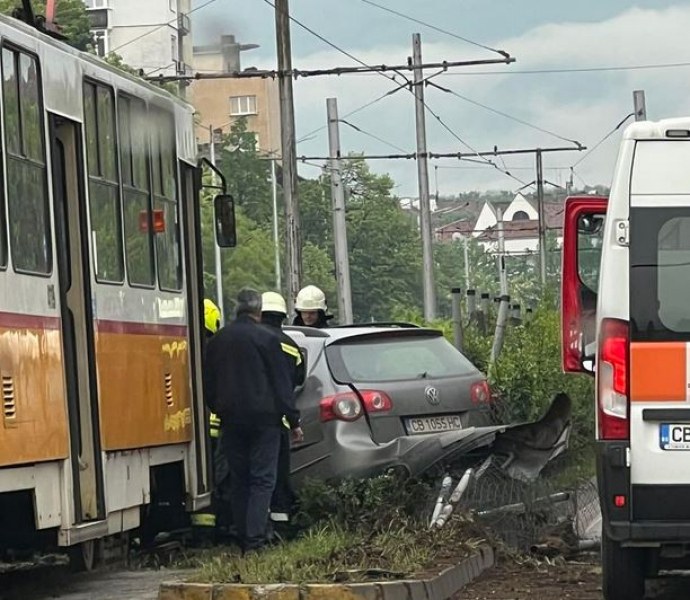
pixel 613 377
pixel 375 401
pixel 480 392
pixel 348 406
pixel 343 407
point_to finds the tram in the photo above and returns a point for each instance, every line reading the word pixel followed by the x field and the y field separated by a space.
pixel 102 415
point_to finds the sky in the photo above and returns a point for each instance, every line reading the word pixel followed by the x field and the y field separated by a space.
pixel 540 34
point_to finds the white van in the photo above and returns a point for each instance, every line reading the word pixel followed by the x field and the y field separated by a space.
pixel 628 323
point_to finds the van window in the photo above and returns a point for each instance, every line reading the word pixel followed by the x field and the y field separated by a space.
pixel 660 273
pixel 661 167
pixel 590 236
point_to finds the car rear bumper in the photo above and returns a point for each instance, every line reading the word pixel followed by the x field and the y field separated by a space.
pixel 357 455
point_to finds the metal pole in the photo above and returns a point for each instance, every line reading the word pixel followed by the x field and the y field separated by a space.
pixel 276 237
pixel 457 317
pixel 216 247
pixel 542 224
pixel 342 260
pixel 423 175
pixel 640 105
pixel 287 129
pixel 502 254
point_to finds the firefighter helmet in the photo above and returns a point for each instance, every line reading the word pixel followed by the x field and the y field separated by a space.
pixel 273 302
pixel 310 298
pixel 211 316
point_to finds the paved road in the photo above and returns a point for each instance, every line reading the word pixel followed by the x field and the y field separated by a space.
pixel 103 585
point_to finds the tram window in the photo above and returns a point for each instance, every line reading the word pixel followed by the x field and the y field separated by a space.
pixel 165 201
pixel 136 191
pixel 30 238
pixel 104 188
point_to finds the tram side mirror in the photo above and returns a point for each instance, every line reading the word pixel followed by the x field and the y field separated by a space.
pixel 224 212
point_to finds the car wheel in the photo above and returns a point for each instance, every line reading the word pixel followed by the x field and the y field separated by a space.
pixel 623 571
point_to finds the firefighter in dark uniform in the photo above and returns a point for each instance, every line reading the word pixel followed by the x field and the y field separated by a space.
pixel 248 384
pixel 273 314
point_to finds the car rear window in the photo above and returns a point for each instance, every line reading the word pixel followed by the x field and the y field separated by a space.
pixel 396 358
pixel 660 273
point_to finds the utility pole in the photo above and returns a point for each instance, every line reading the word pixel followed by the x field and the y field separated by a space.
pixel 342 259
pixel 216 247
pixel 423 175
pixel 466 241
pixel 276 237
pixel 640 105
pixel 542 224
pixel 287 129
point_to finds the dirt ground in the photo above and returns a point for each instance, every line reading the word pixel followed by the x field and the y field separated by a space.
pixel 576 580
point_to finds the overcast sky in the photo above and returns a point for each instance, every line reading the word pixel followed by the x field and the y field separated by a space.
pixel 540 34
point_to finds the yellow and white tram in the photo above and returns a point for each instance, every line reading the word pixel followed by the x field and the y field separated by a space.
pixel 100 300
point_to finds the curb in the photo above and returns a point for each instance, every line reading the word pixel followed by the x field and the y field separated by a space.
pixel 445 585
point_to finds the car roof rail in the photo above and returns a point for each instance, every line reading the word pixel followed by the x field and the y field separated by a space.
pixel 307 331
pixel 403 324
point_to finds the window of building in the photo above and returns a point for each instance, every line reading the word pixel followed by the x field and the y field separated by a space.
pixel 165 205
pixel 520 215
pixel 242 105
pixel 136 192
pixel 100 40
pixel 97 3
pixel 104 188
pixel 173 48
pixel 27 198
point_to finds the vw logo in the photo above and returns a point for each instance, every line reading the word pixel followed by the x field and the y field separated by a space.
pixel 432 396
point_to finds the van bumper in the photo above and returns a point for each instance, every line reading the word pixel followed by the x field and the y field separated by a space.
pixel 619 524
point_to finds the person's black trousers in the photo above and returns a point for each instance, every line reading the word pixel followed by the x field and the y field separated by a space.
pixel 252 453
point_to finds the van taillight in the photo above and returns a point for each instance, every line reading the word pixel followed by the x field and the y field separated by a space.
pixel 613 377
pixel 348 406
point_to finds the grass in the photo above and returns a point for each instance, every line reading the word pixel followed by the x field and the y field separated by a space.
pixel 332 553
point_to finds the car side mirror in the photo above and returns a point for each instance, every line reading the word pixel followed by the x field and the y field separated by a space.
pixel 224 213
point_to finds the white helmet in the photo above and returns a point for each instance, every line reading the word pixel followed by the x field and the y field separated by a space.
pixel 273 302
pixel 311 298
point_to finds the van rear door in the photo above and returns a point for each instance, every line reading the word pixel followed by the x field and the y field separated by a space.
pixel 660 331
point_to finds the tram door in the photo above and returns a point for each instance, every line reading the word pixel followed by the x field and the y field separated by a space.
pixel 77 318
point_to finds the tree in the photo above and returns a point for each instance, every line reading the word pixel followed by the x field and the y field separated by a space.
pixel 248 175
pixel 384 245
pixel 70 15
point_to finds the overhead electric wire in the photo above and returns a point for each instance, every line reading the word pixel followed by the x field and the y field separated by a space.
pixel 392 78
pixel 674 65
pixel 436 28
pixel 159 27
pixel 371 135
pixel 504 114
pixel 602 140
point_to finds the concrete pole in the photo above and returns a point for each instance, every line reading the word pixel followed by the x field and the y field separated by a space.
pixel 466 241
pixel 499 334
pixel 457 317
pixel 423 176
pixel 289 154
pixel 276 236
pixel 216 247
pixel 342 259
pixel 503 278
pixel 542 223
